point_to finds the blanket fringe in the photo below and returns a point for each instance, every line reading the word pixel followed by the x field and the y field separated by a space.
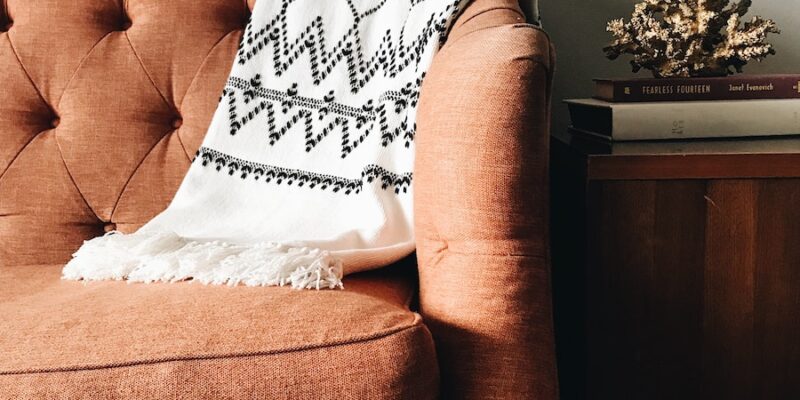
pixel 167 257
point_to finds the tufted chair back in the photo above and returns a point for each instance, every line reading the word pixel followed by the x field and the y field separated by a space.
pixel 102 106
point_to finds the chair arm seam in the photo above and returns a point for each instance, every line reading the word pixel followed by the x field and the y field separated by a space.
pixel 544 61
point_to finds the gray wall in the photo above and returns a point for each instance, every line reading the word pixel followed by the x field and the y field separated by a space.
pixel 577 28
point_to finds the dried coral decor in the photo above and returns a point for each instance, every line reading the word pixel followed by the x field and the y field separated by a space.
pixel 688 38
pixel 306 171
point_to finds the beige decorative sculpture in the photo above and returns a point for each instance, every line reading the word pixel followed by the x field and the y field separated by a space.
pixel 688 38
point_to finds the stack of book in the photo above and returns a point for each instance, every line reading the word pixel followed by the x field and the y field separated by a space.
pixel 688 108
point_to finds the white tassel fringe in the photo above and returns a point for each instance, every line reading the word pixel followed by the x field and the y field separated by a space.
pixel 166 257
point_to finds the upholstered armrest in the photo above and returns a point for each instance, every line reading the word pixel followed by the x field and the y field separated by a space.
pixel 481 199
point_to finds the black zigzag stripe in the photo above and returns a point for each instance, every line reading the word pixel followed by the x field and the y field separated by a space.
pixel 400 183
pixel 333 116
pixel 391 57
pixel 358 15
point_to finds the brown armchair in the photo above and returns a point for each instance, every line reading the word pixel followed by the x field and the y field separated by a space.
pixel 103 104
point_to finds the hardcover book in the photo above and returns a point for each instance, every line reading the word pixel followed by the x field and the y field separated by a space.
pixel 686 120
pixel 601 145
pixel 739 87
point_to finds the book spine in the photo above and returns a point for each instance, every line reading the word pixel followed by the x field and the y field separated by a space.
pixel 718 119
pixel 746 88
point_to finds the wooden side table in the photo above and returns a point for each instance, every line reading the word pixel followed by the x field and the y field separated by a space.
pixel 676 268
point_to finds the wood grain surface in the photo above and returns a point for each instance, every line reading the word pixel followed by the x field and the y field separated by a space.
pixel 675 288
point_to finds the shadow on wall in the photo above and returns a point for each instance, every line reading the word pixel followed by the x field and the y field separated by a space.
pixel 531 9
pixel 577 28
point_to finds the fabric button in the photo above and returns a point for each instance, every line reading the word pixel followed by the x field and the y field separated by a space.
pixel 6 27
pixel 54 123
pixel 177 122
pixel 126 24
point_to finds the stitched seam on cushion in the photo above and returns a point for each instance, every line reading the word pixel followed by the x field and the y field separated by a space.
pixel 35 88
pixel 72 178
pixel 490 10
pixel 482 253
pixel 58 106
pixel 25 70
pixel 524 26
pixel 147 74
pixel 166 102
pixel 203 64
pixel 544 32
pixel 21 149
pixel 183 146
pixel 416 323
pixel 80 64
pixel 196 75
pixel 447 248
pixel 135 170
pixel 436 257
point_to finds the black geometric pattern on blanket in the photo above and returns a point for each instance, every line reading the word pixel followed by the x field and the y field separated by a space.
pixel 392 56
pixel 321 118
pixel 278 175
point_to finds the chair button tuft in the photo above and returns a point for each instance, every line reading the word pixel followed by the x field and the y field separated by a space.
pixel 55 122
pixel 7 26
pixel 177 122
pixel 125 24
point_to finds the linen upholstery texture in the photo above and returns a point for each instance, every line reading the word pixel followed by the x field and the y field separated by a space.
pixel 115 340
pixel 481 203
pixel 102 106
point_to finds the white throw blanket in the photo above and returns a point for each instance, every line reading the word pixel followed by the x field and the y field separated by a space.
pixel 305 174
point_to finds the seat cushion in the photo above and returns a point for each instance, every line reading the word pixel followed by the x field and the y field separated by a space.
pixel 183 340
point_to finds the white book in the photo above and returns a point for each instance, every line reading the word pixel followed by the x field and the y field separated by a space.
pixel 686 120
